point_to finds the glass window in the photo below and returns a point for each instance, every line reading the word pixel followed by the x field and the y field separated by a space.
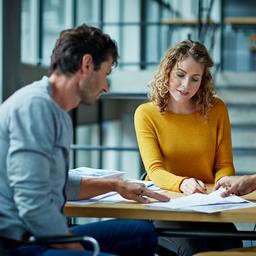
pixel 131 34
pixel 120 19
pixel 29 32
pixel 88 11
pixel 154 34
pixel 56 17
pixel 1 53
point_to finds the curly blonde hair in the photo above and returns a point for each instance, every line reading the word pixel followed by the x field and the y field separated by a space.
pixel 159 86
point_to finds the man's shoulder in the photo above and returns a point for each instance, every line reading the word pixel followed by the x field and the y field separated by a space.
pixel 31 100
pixel 31 94
pixel 38 89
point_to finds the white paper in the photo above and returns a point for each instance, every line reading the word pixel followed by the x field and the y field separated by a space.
pixel 208 203
pixel 96 173
pixel 219 207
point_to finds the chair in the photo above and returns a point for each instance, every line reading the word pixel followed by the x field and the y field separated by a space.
pixel 47 240
pixel 143 176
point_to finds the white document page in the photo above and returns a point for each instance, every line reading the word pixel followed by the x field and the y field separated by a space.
pixel 219 207
pixel 208 203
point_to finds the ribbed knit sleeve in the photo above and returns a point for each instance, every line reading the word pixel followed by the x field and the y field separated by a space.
pixel 150 151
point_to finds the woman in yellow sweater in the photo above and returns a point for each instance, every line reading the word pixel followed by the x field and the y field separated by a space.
pixel 184 135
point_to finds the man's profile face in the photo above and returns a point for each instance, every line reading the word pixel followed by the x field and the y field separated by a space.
pixel 95 83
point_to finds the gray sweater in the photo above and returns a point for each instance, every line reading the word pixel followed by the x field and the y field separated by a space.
pixel 35 135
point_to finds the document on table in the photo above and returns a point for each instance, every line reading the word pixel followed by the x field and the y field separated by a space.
pixel 95 173
pixel 208 203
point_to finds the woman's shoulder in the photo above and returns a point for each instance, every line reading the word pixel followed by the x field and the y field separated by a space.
pixel 218 108
pixel 147 110
pixel 218 103
pixel 147 107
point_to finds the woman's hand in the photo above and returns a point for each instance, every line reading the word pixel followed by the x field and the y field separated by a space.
pixel 190 186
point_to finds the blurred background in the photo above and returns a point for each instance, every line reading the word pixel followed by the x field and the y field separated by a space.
pixel 143 29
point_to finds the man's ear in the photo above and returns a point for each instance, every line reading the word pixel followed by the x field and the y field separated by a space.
pixel 86 63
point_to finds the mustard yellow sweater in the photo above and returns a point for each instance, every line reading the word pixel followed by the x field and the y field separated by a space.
pixel 176 146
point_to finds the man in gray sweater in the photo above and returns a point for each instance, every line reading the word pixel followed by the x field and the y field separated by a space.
pixel 35 135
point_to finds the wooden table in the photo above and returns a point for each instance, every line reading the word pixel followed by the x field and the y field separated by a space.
pixel 132 210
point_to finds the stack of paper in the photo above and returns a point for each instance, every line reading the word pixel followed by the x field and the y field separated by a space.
pixel 96 173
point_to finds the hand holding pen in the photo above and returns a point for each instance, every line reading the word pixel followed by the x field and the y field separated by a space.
pixel 192 185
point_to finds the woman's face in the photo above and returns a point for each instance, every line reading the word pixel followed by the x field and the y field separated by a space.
pixel 185 79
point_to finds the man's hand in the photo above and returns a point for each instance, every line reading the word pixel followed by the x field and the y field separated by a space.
pixel 138 192
pixel 91 187
pixel 190 186
pixel 239 185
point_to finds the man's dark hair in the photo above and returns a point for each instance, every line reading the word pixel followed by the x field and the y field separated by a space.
pixel 74 43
